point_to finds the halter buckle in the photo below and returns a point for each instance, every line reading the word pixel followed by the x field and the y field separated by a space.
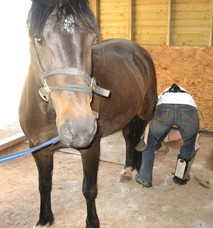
pixel 44 91
pixel 97 89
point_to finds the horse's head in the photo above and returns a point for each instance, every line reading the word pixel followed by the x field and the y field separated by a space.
pixel 62 33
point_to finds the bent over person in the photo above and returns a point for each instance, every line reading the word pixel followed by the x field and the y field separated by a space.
pixel 175 107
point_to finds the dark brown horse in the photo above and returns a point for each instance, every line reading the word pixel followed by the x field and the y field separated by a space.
pixel 62 58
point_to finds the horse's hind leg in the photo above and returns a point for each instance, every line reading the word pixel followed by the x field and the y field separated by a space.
pixel 44 162
pixel 90 160
pixel 132 134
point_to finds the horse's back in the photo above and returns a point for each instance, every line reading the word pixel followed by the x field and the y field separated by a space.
pixel 127 70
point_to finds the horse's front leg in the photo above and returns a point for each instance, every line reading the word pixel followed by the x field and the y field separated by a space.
pixel 44 162
pixel 90 160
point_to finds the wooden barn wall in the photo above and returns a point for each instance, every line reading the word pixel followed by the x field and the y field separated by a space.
pixel 177 33
pixel 114 19
pixel 191 23
pixel 151 22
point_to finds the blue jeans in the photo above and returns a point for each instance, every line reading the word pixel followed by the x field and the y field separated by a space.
pixel 185 117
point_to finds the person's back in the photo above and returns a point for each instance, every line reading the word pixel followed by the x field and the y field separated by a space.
pixel 176 95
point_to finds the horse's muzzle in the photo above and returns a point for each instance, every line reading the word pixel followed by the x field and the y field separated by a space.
pixel 78 133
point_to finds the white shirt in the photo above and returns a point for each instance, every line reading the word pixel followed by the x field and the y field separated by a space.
pixel 176 98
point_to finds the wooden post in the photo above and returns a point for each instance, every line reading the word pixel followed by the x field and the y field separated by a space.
pixel 211 31
pixel 211 24
pixel 168 42
pixel 95 6
pixel 12 141
pixel 131 20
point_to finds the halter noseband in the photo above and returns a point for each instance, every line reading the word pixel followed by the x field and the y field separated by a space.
pixel 90 86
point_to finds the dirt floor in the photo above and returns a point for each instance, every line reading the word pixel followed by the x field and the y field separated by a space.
pixel 119 205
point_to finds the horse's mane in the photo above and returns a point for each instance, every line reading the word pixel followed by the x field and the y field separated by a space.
pixel 41 9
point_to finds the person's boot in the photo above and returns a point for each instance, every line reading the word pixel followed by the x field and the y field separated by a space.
pixel 182 170
pixel 179 181
pixel 145 184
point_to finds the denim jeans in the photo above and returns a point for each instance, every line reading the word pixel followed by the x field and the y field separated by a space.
pixel 185 117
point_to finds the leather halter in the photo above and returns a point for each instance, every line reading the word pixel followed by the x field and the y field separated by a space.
pixel 90 86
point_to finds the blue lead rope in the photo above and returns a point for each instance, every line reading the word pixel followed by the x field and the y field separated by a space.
pixel 31 150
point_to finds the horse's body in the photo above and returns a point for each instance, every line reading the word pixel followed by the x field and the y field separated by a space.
pixel 118 65
pixel 128 72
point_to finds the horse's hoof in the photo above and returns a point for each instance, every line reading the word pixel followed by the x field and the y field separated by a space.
pixel 126 175
pixel 93 224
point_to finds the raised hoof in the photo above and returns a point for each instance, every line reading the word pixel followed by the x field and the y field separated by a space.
pixel 126 175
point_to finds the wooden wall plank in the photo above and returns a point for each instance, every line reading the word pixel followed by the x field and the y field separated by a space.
pixel 211 32
pixel 95 6
pixel 151 2
pixel 130 20
pixel 190 23
pixel 137 20
pixel 119 22
pixel 151 18
pixel 169 23
pixel 12 141
pixel 192 1
pixel 211 24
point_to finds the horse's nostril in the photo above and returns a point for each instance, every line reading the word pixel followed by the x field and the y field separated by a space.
pixel 66 133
